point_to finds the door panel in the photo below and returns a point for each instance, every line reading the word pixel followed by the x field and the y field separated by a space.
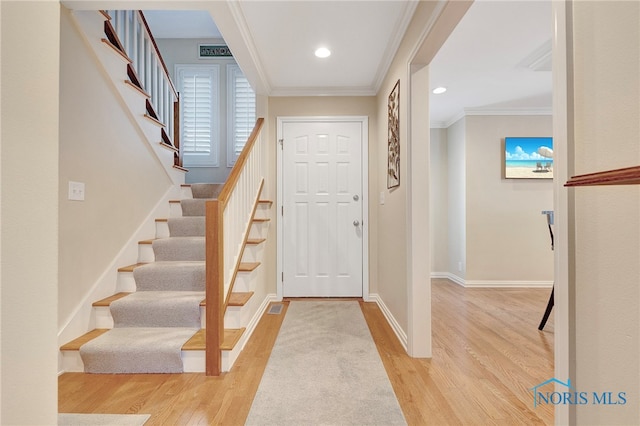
pixel 322 209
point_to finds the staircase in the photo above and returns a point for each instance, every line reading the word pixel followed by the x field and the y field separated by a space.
pixel 208 251
pixel 154 323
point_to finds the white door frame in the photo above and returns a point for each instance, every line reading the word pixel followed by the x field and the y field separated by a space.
pixel 365 193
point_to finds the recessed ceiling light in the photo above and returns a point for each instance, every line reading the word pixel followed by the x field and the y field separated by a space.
pixel 439 90
pixel 323 52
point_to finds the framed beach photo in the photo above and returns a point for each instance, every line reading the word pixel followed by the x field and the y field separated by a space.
pixel 528 158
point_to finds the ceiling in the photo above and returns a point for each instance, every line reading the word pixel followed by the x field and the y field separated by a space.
pixel 497 60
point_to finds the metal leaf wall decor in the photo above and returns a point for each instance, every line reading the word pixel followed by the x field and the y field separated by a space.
pixel 393 163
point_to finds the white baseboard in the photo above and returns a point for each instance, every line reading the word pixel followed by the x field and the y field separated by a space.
pixel 253 323
pixel 492 283
pixel 449 276
pixel 399 332
pixel 507 284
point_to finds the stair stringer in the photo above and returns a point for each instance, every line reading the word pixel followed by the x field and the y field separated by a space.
pixel 83 318
pixel 255 281
pixel 90 24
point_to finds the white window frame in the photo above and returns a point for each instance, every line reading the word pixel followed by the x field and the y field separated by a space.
pixel 233 72
pixel 213 158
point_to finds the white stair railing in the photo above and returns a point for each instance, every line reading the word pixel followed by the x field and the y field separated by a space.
pixel 139 44
pixel 229 221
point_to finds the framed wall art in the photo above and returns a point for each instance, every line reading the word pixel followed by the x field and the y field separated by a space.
pixel 528 158
pixel 393 161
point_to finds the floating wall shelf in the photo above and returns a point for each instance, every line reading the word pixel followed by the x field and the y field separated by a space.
pixel 626 176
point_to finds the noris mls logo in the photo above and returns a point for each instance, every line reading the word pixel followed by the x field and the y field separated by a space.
pixel 544 393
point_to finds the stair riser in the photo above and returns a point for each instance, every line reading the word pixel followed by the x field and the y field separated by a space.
pixel 185 192
pixel 126 282
pixel 253 253
pixel 245 281
pixel 263 211
pixel 259 230
pixel 145 253
pixel 171 251
pixel 192 361
pixel 175 210
pixel 105 320
pixel 162 230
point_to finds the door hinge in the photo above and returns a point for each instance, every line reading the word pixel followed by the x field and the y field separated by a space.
pixel 283 277
pixel 281 143
pixel 282 211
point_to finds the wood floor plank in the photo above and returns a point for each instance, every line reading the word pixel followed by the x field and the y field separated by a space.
pixel 487 354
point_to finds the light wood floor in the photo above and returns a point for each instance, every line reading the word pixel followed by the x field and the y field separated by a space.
pixel 487 354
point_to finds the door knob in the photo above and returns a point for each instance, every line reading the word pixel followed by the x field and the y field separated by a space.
pixel 356 223
pixel 356 197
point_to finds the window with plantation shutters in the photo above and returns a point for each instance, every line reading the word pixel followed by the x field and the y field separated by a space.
pixel 199 124
pixel 241 112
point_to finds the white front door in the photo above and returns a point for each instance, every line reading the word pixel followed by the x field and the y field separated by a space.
pixel 322 208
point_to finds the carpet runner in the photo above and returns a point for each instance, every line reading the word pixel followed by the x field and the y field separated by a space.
pixel 324 369
pixel 152 324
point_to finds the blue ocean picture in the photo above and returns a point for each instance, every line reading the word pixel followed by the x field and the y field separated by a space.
pixel 528 157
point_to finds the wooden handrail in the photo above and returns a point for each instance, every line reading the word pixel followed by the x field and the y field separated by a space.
pixel 155 46
pixel 626 176
pixel 225 193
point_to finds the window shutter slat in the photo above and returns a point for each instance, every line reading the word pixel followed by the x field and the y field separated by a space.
pixel 242 111
pixel 199 99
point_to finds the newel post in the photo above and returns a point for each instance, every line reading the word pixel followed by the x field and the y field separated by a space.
pixel 214 331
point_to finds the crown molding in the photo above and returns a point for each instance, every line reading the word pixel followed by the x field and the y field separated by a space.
pixel 392 47
pixel 509 111
pixel 322 91
pixel 539 59
pixel 491 111
pixel 245 34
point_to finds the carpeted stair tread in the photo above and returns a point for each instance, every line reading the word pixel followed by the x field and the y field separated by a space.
pixel 189 226
pixel 194 206
pixel 179 249
pixel 166 276
pixel 206 190
pixel 158 309
pixel 136 350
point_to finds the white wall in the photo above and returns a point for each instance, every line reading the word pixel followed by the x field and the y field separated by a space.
pixel 507 240
pixel 185 51
pixel 439 199
pixel 29 212
pixel 101 147
pixel 606 66
pixel 457 210
pixel 496 234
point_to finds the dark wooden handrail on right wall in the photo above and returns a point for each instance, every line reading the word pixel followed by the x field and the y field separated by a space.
pixel 626 176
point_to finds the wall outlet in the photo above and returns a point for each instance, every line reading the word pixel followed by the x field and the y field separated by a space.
pixel 459 266
pixel 382 198
pixel 76 191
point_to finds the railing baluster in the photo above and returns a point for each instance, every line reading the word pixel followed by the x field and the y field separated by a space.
pixel 137 40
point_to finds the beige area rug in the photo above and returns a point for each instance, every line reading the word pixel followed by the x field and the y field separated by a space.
pixel 73 419
pixel 325 370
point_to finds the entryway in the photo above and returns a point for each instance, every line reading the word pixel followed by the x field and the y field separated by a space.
pixel 322 206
